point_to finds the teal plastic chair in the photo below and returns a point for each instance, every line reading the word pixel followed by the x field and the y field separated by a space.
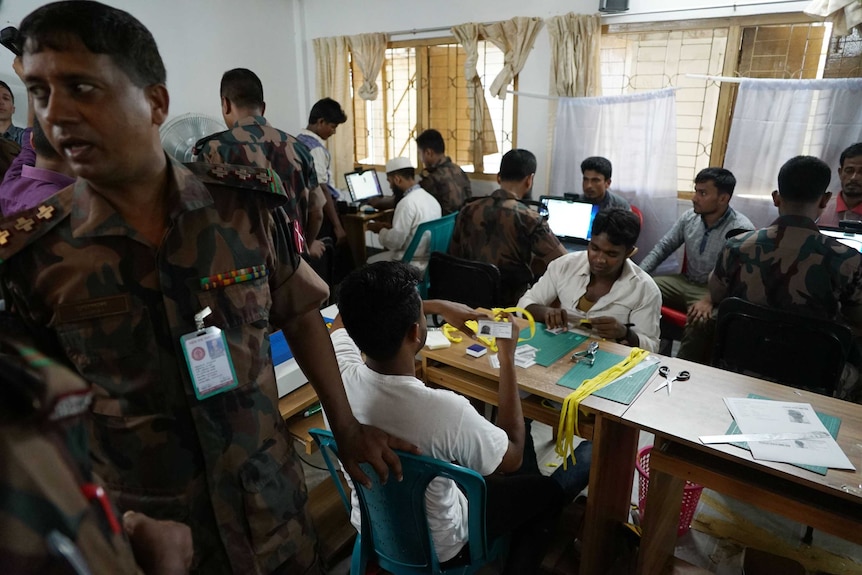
pixel 394 525
pixel 441 234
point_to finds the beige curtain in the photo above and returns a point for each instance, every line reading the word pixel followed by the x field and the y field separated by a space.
pixel 515 38
pixel 333 81
pixel 482 141
pixel 368 51
pixel 575 55
pixel 844 14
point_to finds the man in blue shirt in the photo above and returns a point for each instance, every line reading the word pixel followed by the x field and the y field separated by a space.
pixel 702 230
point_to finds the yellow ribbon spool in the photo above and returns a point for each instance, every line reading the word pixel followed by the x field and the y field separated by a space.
pixel 452 333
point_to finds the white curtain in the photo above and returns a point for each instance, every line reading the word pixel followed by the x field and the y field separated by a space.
pixel 333 81
pixel 774 120
pixel 515 38
pixel 369 51
pixel 637 133
pixel 576 43
pixel 844 14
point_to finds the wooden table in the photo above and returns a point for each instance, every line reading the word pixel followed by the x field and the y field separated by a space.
pixel 695 408
pixel 831 503
pixel 355 227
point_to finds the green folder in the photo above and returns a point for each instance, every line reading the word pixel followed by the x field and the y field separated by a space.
pixel 623 390
pixel 552 347
pixel 830 422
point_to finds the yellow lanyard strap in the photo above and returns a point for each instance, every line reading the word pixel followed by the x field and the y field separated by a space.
pixel 569 415
pixel 451 332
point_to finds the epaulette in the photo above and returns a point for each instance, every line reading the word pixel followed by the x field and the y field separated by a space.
pixel 17 231
pixel 199 145
pixel 245 177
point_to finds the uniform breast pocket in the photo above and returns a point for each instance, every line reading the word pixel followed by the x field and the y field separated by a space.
pixel 117 353
pixel 241 311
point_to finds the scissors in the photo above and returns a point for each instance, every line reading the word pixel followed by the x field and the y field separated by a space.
pixel 664 371
pixel 587 356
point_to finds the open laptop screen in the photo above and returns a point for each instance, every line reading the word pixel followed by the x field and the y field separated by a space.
pixel 363 185
pixel 847 238
pixel 570 220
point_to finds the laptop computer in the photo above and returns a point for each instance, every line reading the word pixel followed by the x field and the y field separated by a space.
pixel 363 185
pixel 570 221
pixel 851 239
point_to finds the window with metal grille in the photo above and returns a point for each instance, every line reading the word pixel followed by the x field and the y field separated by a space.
pixel 422 86
pixel 636 58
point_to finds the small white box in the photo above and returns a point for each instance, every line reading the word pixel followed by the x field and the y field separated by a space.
pixel 477 350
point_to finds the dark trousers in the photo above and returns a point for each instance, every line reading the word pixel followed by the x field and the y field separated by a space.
pixel 528 507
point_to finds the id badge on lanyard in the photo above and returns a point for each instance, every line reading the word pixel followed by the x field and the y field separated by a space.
pixel 208 358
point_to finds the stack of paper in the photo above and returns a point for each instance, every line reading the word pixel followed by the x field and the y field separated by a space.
pixel 436 339
pixel 771 417
pixel 525 356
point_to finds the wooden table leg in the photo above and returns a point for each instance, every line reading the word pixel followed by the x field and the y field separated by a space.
pixel 611 476
pixel 661 518
pixel 354 228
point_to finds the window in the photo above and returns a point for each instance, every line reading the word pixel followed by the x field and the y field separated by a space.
pixel 421 87
pixel 636 58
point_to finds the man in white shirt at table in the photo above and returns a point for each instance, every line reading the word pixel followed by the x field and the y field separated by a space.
pixel 414 206
pixel 602 285
pixel 383 317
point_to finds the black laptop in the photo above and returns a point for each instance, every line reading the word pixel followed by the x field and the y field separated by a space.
pixel 569 220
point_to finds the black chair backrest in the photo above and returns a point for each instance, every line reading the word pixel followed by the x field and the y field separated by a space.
pixel 785 347
pixel 476 284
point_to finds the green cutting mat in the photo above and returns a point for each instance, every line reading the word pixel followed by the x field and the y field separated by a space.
pixel 830 422
pixel 623 390
pixel 552 347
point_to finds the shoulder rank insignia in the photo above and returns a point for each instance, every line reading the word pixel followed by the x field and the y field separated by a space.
pixel 19 230
pixel 246 177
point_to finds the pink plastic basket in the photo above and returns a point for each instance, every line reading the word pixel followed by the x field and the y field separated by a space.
pixel 690 493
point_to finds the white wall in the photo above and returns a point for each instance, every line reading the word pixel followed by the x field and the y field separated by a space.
pixel 346 17
pixel 199 40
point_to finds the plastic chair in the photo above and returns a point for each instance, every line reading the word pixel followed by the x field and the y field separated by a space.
pixel 440 235
pixel 476 284
pixel 394 525
pixel 788 348
pixel 636 211
pixel 672 322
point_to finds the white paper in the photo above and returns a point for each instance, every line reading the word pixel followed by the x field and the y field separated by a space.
pixel 766 416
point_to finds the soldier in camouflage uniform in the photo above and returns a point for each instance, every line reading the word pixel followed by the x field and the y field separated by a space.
pixel 501 230
pixel 252 141
pixel 108 274
pixel 442 178
pixel 790 265
pixel 53 513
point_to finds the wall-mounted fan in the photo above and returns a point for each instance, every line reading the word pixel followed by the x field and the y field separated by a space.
pixel 180 134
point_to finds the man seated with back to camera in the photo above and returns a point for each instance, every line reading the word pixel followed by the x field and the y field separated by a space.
pixel 384 318
pixel 602 285
pixel 793 267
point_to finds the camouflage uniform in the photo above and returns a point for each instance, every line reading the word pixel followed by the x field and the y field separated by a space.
pixel 253 142
pixel 791 266
pixel 448 183
pixel 114 307
pixel 45 469
pixel 500 230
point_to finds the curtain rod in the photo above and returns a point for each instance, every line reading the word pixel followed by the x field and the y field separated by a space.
pixel 734 5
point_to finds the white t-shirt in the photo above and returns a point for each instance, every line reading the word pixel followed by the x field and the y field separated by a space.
pixel 634 298
pixel 417 207
pixel 441 423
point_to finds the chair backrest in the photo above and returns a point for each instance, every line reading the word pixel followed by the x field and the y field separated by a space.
pixel 788 348
pixel 441 234
pixel 476 284
pixel 636 211
pixel 394 523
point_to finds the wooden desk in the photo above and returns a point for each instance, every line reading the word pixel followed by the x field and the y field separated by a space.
pixel 355 227
pixel 831 503
pixel 614 443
